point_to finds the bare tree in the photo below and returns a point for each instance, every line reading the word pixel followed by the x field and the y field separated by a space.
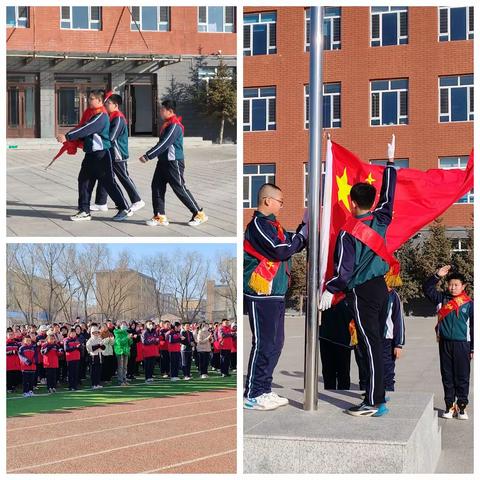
pixel 188 282
pixel 227 271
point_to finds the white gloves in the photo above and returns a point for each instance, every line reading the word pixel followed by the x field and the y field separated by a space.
pixel 325 301
pixel 391 149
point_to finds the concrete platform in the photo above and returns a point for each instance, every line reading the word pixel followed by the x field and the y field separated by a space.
pixel 286 440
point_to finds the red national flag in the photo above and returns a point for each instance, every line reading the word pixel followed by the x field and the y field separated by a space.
pixel 420 197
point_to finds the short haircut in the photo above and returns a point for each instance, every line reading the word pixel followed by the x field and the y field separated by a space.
pixel 116 99
pixel 456 276
pixel 266 189
pixel 177 324
pixel 363 194
pixel 170 104
pixel 73 329
pixel 100 94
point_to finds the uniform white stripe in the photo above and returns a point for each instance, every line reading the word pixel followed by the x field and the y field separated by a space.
pixel 163 143
pixel 255 352
pixel 195 206
pixel 386 190
pixel 269 240
pixel 77 130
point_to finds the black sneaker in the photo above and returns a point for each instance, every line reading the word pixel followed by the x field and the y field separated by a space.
pixel 362 410
pixel 122 215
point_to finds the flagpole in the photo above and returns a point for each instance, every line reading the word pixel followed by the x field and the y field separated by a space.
pixel 314 194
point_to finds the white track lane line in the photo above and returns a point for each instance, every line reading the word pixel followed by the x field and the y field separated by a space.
pixel 43 425
pixel 116 449
pixel 54 439
pixel 192 461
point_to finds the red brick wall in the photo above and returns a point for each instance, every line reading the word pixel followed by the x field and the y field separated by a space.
pixel 45 34
pixel 422 61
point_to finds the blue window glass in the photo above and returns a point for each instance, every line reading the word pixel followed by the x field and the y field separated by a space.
pixel 327 106
pixel 269 17
pixel 389 29
pixel 149 18
pixel 11 16
pixel 389 108
pixel 249 169
pixel 250 18
pixel 458 23
pixel 250 92
pixel 259 114
pixel 380 85
pixel 215 19
pixel 267 92
pixel 80 17
pixel 267 168
pixel 459 104
pixel 257 183
pixel 260 39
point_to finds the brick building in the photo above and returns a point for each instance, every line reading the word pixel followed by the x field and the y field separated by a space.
pixel 56 55
pixel 407 71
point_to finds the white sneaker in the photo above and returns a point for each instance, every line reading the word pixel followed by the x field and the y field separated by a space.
pixel 174 379
pixel 165 376
pixel 157 220
pixel 198 219
pixel 204 375
pixel 450 413
pixel 186 378
pixel 262 402
pixel 99 208
pixel 137 205
pixel 80 217
pixel 282 401
pixel 26 394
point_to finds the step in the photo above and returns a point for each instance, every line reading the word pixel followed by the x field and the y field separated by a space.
pixel 291 440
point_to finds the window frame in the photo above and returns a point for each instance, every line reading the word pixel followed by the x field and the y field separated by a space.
pixel 267 110
pixel 90 21
pixel 329 18
pixel 470 88
pixel 269 178
pixel 18 18
pixel 133 23
pixel 469 34
pixel 401 39
pixel 224 24
pixel 333 119
pixel 399 116
pixel 271 49
pixel 470 196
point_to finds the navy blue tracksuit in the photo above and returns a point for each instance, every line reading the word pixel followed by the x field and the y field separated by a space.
pixel 394 338
pixel 359 272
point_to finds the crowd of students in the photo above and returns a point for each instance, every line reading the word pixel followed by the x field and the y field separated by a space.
pixel 63 353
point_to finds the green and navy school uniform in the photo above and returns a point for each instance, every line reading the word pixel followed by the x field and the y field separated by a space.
pixel 455 345
pixel 354 262
pixel 119 138
pixel 266 313
pixel 95 133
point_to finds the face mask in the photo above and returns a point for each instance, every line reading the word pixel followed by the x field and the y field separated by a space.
pixel 124 327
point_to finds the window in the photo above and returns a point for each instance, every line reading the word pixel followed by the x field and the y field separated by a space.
pixel 459 245
pixel 305 183
pixel 207 73
pixel 216 19
pixel 150 19
pixel 447 163
pixel 455 23
pixel 389 102
pixel 456 98
pixel 331 28
pixel 17 17
pixel 81 18
pixel 331 105
pixel 399 163
pixel 388 26
pixel 259 109
pixel 260 33
pixel 254 176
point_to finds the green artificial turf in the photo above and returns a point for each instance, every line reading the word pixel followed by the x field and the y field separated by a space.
pixel 43 402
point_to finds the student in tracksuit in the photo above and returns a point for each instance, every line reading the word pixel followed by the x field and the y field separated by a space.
pixel 174 339
pixel 359 271
pixel 50 352
pixel 27 354
pixel 150 343
pixel 163 350
pixel 97 164
pixel 170 168
pixel 13 362
pixel 226 343
pixel 455 338
pixel 394 338
pixel 267 242
pixel 187 350
pixel 119 153
pixel 72 347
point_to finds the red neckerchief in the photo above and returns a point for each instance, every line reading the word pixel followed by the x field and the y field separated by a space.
pixel 172 119
pixel 453 305
pixel 116 114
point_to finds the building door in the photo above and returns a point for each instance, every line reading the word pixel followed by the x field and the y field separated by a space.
pixel 71 100
pixel 21 110
pixel 141 111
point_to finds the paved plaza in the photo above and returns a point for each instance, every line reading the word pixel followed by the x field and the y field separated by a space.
pixel 39 202
pixel 417 371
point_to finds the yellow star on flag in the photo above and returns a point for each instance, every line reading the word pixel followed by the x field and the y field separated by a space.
pixel 370 179
pixel 343 189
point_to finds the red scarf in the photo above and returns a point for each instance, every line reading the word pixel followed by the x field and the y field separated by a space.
pixel 116 114
pixel 262 277
pixel 453 305
pixel 169 121
pixel 71 146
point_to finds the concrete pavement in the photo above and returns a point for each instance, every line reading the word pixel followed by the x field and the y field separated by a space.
pixel 39 202
pixel 417 371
